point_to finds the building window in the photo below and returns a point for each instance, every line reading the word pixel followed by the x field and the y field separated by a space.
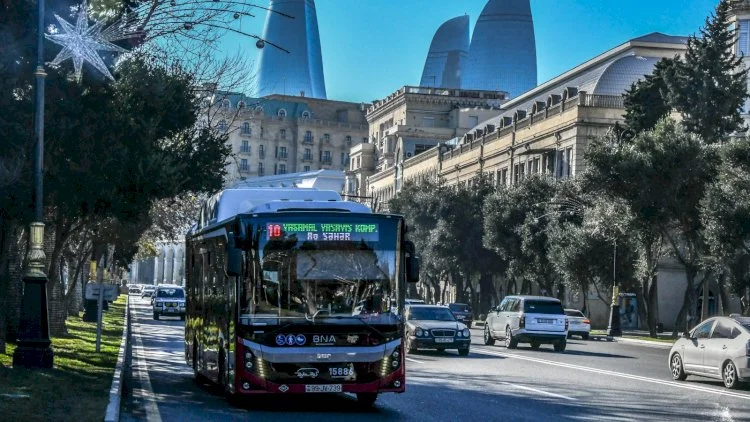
pixel 535 166
pixel 307 168
pixel 261 151
pixel 225 104
pixel 282 113
pixel 282 153
pixel 282 133
pixel 305 114
pixel 307 156
pixel 348 140
pixel 743 38
pixel 262 131
pixel 246 129
pixel 245 147
pixel 308 139
pixel 358 162
pixel 282 168
pixel 344 158
pixel 473 121
pixel 244 166
pixel 241 105
pixel 504 176
pixel 258 110
pixel 568 162
pixel 222 126
pixel 327 137
pixel 326 157
pixel 261 170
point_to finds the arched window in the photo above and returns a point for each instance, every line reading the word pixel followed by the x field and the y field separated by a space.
pixel 246 129
pixel 258 110
pixel 226 104
pixel 241 105
pixel 282 113
pixel 305 114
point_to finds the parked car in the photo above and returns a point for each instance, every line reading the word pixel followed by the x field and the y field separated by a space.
pixel 148 290
pixel 717 348
pixel 169 300
pixel 135 289
pixel 527 319
pixel 462 312
pixel 578 324
pixel 435 327
pixel 414 302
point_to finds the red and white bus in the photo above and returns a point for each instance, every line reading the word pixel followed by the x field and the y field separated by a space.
pixel 294 291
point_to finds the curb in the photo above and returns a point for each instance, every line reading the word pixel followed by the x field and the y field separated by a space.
pixel 115 391
pixel 646 343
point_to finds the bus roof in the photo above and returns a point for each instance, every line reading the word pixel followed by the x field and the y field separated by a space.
pixel 240 200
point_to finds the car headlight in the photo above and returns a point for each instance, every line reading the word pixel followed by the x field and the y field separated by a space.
pixel 418 332
pixel 466 332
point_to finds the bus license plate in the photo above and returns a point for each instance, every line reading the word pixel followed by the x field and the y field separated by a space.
pixel 444 340
pixel 328 388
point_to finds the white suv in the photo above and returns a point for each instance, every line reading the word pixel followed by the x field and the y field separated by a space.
pixel 527 319
pixel 169 300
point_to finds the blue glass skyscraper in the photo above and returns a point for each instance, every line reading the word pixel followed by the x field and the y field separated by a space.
pixel 447 55
pixel 502 55
pixel 299 72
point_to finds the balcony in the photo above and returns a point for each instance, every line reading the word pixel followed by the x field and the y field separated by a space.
pixel 326 161
pixel 245 149
pixel 244 169
pixel 308 140
pixel 282 156
pixel 307 157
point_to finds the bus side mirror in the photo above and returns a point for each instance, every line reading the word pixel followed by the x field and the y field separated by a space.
pixel 412 263
pixel 234 262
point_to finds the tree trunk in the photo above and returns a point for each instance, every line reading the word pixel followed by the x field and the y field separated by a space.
pixel 56 297
pixel 486 290
pixel 6 231
pixel 653 305
pixel 723 295
pixel 458 283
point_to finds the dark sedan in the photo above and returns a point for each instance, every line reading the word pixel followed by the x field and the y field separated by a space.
pixel 435 327
pixel 462 312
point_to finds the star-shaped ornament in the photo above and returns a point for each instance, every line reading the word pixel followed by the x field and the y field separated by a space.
pixel 82 42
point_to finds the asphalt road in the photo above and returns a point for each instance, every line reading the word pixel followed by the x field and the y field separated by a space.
pixel 592 380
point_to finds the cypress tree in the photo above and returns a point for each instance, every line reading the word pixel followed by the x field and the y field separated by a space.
pixel 709 86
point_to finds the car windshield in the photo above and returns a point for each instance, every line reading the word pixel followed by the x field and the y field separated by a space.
pixel 458 307
pixel 430 314
pixel 318 274
pixel 542 307
pixel 171 293
pixel 575 314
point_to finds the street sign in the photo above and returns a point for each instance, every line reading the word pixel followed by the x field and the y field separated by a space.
pixel 110 291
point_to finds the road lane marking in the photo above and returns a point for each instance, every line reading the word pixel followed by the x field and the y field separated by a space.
pixel 146 392
pixel 693 387
pixel 536 390
pixel 414 360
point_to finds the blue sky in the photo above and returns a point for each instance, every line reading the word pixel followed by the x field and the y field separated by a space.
pixel 372 47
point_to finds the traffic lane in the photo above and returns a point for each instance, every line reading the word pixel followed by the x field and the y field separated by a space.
pixel 634 359
pixel 434 392
pixel 579 392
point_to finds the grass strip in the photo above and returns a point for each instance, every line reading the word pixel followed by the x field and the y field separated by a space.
pixel 77 388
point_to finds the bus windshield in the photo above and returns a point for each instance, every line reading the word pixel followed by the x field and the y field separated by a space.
pixel 323 271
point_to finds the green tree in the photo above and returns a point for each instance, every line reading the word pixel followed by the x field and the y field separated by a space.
pixel 709 86
pixel 646 102
pixel 725 211
pixel 514 230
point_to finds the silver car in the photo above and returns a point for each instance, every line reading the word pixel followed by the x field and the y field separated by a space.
pixel 527 319
pixel 578 325
pixel 717 348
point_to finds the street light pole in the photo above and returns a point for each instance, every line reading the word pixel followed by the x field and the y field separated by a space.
pixel 34 347
pixel 614 329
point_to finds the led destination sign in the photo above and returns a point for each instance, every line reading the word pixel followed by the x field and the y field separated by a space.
pixel 324 231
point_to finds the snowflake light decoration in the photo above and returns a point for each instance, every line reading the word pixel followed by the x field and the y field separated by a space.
pixel 82 42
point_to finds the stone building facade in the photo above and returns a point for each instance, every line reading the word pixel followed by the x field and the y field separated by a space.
pixel 404 125
pixel 278 134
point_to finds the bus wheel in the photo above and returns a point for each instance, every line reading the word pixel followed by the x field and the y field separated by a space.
pixel 366 399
